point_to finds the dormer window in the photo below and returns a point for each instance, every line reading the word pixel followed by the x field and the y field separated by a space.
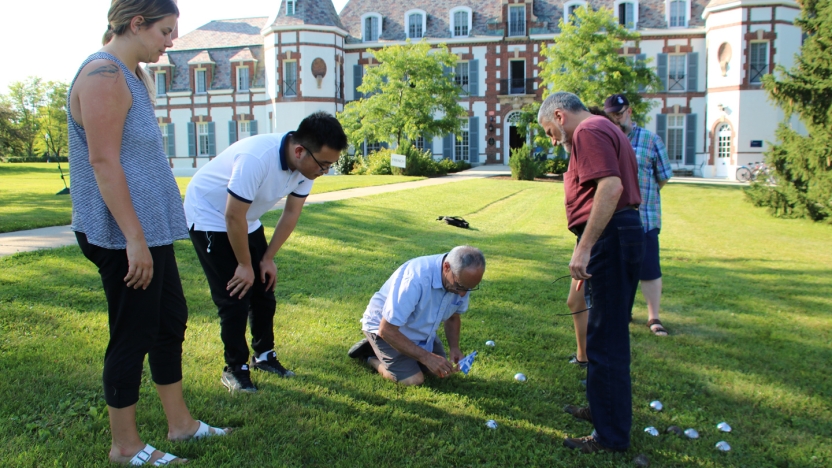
pixel 290 7
pixel 416 23
pixel 517 20
pixel 461 22
pixel 678 13
pixel 371 27
pixel 161 88
pixel 569 9
pixel 627 13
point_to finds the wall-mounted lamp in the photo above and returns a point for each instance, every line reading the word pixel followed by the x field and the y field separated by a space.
pixel 491 125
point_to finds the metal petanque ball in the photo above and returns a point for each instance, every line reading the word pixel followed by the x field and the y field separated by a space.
pixel 490 343
pixel 520 377
pixel 652 431
pixel 491 424
pixel 656 405
pixel 723 446
pixel 691 433
pixel 724 427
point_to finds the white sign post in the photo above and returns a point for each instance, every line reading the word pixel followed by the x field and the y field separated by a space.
pixel 398 160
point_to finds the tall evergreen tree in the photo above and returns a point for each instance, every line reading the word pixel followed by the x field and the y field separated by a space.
pixel 803 163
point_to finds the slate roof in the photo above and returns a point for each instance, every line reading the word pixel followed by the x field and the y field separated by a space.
pixel 317 12
pixel 243 55
pixel 202 57
pixel 222 67
pixel 223 33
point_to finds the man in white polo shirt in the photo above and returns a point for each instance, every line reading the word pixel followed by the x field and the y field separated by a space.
pixel 401 321
pixel 223 205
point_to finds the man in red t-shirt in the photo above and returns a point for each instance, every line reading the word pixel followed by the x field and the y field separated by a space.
pixel 602 199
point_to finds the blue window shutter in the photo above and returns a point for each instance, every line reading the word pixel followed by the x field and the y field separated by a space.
pixel 640 58
pixel 448 146
pixel 474 139
pixel 253 127
pixel 661 70
pixel 474 78
pixel 212 140
pixel 661 127
pixel 693 71
pixel 358 78
pixel 690 139
pixel 171 141
pixel 191 139
pixel 385 145
pixel 232 132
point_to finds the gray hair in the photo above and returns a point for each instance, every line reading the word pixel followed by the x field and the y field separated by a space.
pixel 560 100
pixel 464 257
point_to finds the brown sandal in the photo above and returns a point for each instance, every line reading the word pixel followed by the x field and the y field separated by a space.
pixel 659 330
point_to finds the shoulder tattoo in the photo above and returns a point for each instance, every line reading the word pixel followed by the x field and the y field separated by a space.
pixel 108 71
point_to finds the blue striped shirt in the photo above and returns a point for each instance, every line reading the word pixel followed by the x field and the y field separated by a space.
pixel 153 189
pixel 653 167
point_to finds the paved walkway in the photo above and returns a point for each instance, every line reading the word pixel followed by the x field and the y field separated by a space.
pixel 60 236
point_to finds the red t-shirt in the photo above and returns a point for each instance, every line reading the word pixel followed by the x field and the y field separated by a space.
pixel 599 149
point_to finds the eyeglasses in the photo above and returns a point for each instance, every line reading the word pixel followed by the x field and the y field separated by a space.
pixel 458 287
pixel 619 114
pixel 324 169
pixel 589 295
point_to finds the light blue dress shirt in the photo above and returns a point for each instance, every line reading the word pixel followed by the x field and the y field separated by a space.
pixel 415 300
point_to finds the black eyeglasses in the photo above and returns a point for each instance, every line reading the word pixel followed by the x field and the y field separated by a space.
pixel 458 287
pixel 619 114
pixel 323 169
pixel 588 302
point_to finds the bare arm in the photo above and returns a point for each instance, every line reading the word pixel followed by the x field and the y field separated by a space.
pixel 285 226
pixel 607 193
pixel 100 103
pixel 236 226
pixel 435 363
pixel 662 183
pixel 452 328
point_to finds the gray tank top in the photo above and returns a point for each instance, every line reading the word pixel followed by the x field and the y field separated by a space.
pixel 152 186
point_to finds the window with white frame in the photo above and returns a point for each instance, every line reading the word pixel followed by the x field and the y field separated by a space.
pixel 370 148
pixel 201 82
pixel 290 7
pixel 416 24
pixel 202 138
pixel 517 20
pixel 569 9
pixel 460 22
pixel 165 129
pixel 161 85
pixel 627 12
pixel 371 27
pixel 461 76
pixel 419 143
pixel 676 70
pixel 244 129
pixel 677 16
pixel 461 144
pixel 242 79
pixel 676 138
pixel 290 78
pixel 724 141
pixel 758 59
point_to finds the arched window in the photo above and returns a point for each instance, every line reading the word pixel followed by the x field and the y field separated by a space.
pixel 460 22
pixel 678 13
pixel 371 27
pixel 569 9
pixel 415 21
pixel 724 141
pixel 627 13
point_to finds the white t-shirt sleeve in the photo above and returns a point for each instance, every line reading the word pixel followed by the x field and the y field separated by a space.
pixel 404 295
pixel 303 189
pixel 247 175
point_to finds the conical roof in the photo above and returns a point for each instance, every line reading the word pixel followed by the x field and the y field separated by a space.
pixel 307 12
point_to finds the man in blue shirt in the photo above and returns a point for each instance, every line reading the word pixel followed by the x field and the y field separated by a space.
pixel 402 318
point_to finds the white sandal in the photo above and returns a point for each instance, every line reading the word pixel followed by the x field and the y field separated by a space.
pixel 145 454
pixel 205 431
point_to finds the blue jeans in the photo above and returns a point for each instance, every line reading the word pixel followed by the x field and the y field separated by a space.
pixel 615 264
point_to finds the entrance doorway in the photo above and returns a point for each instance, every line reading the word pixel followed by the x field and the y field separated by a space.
pixel 723 150
pixel 515 138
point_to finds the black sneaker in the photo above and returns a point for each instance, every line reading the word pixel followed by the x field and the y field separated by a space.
pixel 238 380
pixel 271 365
pixel 361 350
pixel 579 412
pixel 580 364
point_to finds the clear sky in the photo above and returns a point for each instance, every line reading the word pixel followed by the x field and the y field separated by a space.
pixel 50 38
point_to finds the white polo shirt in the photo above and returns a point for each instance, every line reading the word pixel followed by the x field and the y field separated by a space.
pixel 252 170
pixel 415 300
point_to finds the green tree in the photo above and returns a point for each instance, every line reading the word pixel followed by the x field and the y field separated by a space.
pixel 10 138
pixel 52 119
pixel 26 98
pixel 803 163
pixel 407 95
pixel 584 60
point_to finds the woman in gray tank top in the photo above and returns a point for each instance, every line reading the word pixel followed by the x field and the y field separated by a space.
pixel 126 213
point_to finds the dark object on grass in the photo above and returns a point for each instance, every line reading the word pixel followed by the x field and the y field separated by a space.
pixel 675 430
pixel 641 460
pixel 454 221
pixel 65 190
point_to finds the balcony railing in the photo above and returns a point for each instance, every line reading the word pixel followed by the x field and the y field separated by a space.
pixel 290 88
pixel 517 86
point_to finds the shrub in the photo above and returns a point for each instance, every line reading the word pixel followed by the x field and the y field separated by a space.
pixel 345 163
pixel 419 163
pixel 360 166
pixel 523 167
pixel 379 162
pixel 461 166
pixel 559 165
pixel 30 159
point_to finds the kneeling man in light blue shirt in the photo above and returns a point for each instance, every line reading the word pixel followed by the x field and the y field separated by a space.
pixel 401 321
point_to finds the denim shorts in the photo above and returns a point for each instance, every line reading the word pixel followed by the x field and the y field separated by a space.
pixel 650 268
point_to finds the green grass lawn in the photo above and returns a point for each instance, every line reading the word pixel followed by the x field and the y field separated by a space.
pixel 28 200
pixel 747 303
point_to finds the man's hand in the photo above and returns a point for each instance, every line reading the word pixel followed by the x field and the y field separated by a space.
pixel 456 356
pixel 268 272
pixel 139 265
pixel 438 365
pixel 579 263
pixel 242 280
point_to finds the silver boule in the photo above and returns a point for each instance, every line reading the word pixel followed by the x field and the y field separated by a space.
pixel 520 377
pixel 490 343
pixel 724 427
pixel 491 424
pixel 723 446
pixel 691 433
pixel 652 431
pixel 656 405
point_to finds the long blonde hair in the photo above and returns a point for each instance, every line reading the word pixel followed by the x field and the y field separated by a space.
pixel 122 13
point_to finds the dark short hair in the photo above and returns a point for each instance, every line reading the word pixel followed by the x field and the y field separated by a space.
pixel 321 129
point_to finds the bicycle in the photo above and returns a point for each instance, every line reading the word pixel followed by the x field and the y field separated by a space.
pixel 757 170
